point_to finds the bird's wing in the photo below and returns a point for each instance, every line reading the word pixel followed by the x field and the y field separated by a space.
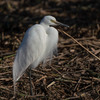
pixel 31 48
pixel 51 44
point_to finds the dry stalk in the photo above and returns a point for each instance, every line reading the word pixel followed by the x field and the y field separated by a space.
pixel 43 77
pixel 52 83
pixel 57 71
pixel 79 43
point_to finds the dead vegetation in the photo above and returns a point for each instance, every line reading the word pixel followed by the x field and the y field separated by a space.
pixel 74 74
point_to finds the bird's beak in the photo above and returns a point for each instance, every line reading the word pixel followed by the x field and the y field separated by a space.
pixel 59 23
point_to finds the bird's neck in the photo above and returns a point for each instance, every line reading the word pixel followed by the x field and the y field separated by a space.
pixel 45 26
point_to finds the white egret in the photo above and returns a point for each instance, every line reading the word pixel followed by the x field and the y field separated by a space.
pixel 39 42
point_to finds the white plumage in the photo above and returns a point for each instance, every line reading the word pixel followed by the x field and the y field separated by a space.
pixel 38 44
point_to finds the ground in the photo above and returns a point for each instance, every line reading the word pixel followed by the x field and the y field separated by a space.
pixel 74 73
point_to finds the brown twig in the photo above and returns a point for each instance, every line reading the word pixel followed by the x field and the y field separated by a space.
pixel 56 71
pixel 43 77
pixel 52 83
pixel 79 43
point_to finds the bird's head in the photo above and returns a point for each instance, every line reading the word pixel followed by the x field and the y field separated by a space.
pixel 50 20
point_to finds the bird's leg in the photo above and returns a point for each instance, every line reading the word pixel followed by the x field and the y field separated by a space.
pixel 50 58
pixel 31 89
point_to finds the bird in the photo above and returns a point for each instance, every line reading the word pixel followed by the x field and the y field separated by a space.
pixel 39 43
